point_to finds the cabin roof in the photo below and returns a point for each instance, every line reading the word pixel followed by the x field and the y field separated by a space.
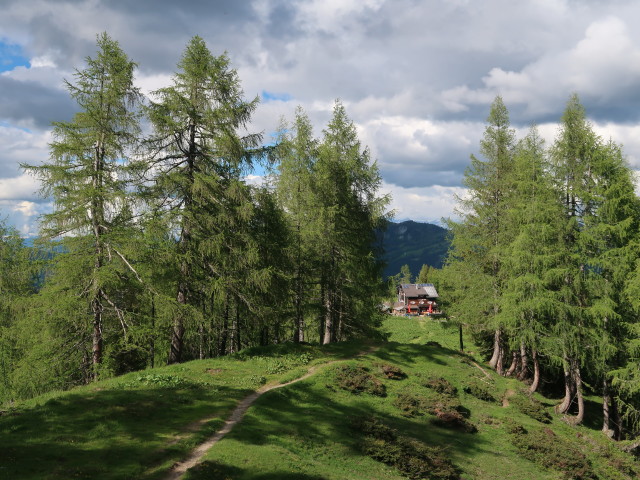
pixel 419 289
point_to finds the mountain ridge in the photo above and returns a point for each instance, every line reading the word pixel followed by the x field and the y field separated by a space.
pixel 414 244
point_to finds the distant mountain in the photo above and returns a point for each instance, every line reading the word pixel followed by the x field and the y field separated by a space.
pixel 414 244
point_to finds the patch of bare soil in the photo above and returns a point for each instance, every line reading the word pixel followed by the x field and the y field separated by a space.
pixel 507 395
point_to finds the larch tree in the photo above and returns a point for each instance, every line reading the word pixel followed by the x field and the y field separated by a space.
pixel 16 285
pixel 349 209
pixel 528 303
pixel 196 154
pixel 297 153
pixel 611 238
pixel 87 179
pixel 483 233
pixel 599 209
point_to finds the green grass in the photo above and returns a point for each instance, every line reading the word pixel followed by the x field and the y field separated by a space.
pixel 136 426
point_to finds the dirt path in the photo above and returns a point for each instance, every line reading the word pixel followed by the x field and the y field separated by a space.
pixel 180 468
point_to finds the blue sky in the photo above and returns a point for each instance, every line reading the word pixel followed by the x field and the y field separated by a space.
pixel 417 78
pixel 11 56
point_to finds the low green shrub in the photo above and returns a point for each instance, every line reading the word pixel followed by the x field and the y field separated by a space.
pixel 357 379
pixel 411 405
pixel 530 407
pixel 441 385
pixel 392 372
pixel 479 391
pixel 448 411
pixel 413 458
pixel 545 448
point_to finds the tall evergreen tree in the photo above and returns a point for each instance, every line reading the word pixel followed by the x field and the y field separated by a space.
pixel 297 153
pixel 481 236
pixel 349 210
pixel 599 223
pixel 197 155
pixel 87 178
pixel 16 284
pixel 529 304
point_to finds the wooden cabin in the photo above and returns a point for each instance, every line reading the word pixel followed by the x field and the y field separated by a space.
pixel 416 299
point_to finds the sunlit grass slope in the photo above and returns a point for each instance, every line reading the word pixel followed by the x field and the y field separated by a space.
pixel 138 425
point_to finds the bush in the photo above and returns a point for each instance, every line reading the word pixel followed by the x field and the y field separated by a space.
pixel 545 448
pixel 441 385
pixel 448 411
pixel 358 380
pixel 530 407
pixel 479 391
pixel 411 405
pixel 413 458
pixel 453 419
pixel 392 372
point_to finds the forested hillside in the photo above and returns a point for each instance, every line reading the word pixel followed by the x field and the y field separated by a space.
pixel 157 249
pixel 414 244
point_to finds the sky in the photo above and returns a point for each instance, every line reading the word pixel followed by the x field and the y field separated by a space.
pixel 417 77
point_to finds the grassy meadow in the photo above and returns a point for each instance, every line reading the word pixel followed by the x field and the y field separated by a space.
pixel 411 405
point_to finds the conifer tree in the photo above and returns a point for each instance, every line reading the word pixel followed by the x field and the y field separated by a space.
pixel 529 304
pixel 349 210
pixel 87 179
pixel 297 154
pixel 16 285
pixel 480 238
pixel 599 223
pixel 197 155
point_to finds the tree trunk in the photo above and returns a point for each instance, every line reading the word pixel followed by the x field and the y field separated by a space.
pixel 577 380
pixel 524 363
pixel 321 318
pixel 152 337
pixel 536 371
pixel 461 341
pixel 298 334
pixel 225 327
pixel 177 336
pixel 338 329
pixel 606 410
pixel 201 341
pixel 496 359
pixel 569 388
pixel 328 313
pixel 96 358
pixel 514 364
pixel 617 419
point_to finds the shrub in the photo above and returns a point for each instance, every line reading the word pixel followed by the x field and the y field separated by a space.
pixel 448 411
pixel 413 458
pixel 545 448
pixel 411 405
pixel 358 380
pixel 441 385
pixel 530 407
pixel 392 372
pixel 453 419
pixel 479 391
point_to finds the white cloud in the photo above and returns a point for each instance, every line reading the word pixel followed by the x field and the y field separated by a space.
pixel 26 208
pixel 19 188
pixel 604 61
pixel 423 204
